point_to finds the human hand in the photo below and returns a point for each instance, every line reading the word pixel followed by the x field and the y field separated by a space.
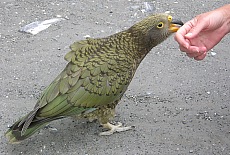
pixel 199 35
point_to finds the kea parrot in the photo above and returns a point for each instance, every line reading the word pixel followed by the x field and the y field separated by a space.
pixel 96 77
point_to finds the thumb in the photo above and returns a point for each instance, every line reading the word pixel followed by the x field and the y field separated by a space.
pixel 196 28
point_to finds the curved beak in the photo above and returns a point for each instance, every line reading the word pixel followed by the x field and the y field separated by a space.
pixel 175 25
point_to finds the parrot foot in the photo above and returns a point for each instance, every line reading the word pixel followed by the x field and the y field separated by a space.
pixel 114 128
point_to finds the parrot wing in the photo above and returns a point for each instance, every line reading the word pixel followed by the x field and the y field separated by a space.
pixel 97 74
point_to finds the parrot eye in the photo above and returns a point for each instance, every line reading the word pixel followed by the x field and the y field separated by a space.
pixel 160 25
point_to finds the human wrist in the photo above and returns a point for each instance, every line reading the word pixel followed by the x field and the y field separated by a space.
pixel 226 13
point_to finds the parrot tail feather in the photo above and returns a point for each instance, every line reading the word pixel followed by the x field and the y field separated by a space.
pixel 16 134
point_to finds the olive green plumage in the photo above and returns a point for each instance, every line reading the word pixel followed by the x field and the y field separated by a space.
pixel 96 76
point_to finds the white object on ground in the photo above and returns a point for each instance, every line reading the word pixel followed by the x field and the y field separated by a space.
pixel 38 26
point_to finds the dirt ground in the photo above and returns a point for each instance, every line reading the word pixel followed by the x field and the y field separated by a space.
pixel 177 105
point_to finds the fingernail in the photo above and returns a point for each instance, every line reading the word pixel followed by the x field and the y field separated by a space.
pixel 188 34
pixel 187 46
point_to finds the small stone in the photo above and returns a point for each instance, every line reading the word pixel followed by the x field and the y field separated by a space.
pixel 213 53
pixel 184 122
pixel 86 36
pixel 167 12
pixel 52 129
pixel 149 93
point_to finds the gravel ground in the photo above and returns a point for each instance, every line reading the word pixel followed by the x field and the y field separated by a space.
pixel 177 105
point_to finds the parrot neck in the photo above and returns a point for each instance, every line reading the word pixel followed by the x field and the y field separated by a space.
pixel 136 44
pixel 142 44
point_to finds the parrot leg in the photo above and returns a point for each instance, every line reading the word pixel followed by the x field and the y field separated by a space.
pixel 113 128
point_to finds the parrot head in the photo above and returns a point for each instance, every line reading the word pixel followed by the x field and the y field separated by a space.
pixel 156 28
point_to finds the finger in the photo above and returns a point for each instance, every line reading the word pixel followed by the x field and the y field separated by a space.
pixel 201 57
pixel 197 27
pixel 190 55
pixel 190 49
pixel 181 40
pixel 193 51
pixel 198 53
pixel 179 37
pixel 193 55
pixel 184 49
pixel 183 30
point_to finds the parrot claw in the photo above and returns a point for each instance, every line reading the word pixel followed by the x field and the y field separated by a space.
pixel 113 128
